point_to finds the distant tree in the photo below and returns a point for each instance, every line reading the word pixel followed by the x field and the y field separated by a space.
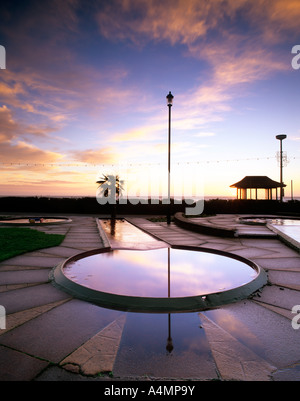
pixel 111 187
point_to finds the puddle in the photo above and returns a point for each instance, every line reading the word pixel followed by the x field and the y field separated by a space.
pixel 121 233
pixel 172 345
pixel 288 229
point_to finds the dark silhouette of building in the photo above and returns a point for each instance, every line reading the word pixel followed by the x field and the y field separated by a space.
pixel 248 186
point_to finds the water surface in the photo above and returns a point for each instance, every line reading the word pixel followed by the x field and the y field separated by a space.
pixel 164 272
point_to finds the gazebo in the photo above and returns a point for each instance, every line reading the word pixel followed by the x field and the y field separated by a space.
pixel 255 182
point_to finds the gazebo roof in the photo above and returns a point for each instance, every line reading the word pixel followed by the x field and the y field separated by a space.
pixel 257 181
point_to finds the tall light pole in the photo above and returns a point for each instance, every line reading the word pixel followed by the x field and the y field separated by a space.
pixel 169 103
pixel 281 138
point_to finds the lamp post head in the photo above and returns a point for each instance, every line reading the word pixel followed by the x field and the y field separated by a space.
pixel 280 137
pixel 169 99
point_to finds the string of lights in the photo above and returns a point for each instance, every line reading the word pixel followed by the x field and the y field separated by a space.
pixel 83 164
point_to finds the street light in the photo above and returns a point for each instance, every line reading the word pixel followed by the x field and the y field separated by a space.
pixel 169 103
pixel 281 138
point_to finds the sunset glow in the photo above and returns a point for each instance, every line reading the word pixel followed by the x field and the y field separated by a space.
pixel 85 84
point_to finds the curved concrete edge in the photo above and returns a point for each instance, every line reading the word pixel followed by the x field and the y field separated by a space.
pixel 289 241
pixel 157 305
pixel 9 224
pixel 203 228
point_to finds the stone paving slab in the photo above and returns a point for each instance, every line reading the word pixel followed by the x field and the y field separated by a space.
pixel 29 297
pixel 14 320
pixel 24 276
pixel 30 260
pixel 286 264
pixel 61 251
pixel 55 334
pixel 17 366
pixel 285 279
pixel 99 353
pixel 279 296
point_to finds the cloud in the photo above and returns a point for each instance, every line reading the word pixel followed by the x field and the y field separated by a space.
pixel 179 21
pixel 22 152
pixel 11 129
pixel 232 38
pixel 94 156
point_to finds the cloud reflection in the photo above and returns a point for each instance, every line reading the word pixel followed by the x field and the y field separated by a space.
pixel 145 273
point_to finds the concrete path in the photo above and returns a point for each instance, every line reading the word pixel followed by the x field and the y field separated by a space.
pixel 52 336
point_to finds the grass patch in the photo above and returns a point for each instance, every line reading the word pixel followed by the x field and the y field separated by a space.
pixel 15 241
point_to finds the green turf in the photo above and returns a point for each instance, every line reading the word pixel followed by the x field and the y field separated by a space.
pixel 15 241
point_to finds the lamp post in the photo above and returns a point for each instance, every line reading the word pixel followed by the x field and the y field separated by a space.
pixel 169 103
pixel 281 138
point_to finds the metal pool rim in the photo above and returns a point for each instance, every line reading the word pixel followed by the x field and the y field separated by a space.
pixel 158 305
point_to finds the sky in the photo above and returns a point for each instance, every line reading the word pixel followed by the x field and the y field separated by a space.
pixel 83 93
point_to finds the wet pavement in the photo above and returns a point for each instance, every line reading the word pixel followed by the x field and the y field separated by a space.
pixel 51 336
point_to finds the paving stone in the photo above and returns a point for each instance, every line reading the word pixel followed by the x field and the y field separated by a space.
pixel 61 251
pixel 16 319
pixel 98 354
pixel 29 260
pixel 11 287
pixel 30 297
pixel 251 253
pixel 281 311
pixel 66 327
pixel 279 296
pixel 24 276
pixel 285 279
pixel 17 366
pixel 288 264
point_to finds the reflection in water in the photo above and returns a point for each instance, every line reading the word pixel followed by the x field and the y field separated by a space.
pixel 289 227
pixel 164 272
pixel 285 222
pixel 121 233
pixel 234 321
pixel 143 347
pixel 169 346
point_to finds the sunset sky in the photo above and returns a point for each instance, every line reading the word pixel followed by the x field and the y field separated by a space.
pixel 85 85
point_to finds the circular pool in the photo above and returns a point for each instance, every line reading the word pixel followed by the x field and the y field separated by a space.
pixel 172 279
pixel 25 221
